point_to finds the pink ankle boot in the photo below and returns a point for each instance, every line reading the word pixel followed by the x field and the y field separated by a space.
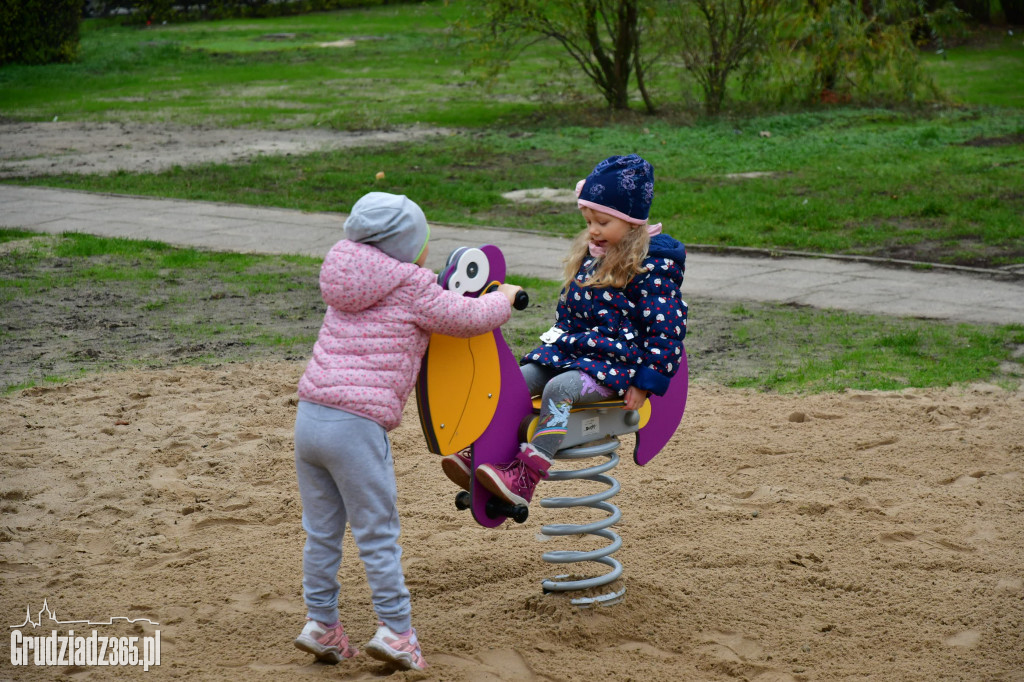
pixel 516 481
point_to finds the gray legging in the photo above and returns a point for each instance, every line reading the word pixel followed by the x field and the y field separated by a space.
pixel 559 390
pixel 347 476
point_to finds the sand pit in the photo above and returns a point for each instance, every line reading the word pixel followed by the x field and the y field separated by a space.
pixel 867 536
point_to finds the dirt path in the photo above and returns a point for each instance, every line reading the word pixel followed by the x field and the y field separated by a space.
pixel 72 147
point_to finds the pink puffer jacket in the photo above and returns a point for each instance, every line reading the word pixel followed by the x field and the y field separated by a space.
pixel 380 314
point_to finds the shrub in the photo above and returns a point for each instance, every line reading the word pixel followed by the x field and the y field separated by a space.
pixel 39 31
pixel 716 38
pixel 837 51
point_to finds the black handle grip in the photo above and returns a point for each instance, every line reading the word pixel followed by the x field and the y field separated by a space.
pixel 522 300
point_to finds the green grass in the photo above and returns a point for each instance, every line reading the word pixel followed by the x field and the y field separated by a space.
pixel 405 67
pixel 871 352
pixel 986 71
pixel 98 303
pixel 147 264
pixel 935 184
pixel 11 235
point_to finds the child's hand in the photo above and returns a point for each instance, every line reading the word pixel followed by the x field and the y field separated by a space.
pixel 510 291
pixel 635 398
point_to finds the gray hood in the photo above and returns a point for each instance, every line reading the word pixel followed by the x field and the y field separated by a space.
pixel 391 222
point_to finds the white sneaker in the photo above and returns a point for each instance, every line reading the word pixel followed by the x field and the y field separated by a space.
pixel 401 650
pixel 329 645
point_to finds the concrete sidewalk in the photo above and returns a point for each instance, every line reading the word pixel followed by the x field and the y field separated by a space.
pixel 819 282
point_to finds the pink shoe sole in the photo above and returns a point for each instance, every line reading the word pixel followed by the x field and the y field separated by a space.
pixel 400 659
pixel 456 472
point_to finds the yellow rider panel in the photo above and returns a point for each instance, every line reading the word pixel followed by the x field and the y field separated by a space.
pixel 463 382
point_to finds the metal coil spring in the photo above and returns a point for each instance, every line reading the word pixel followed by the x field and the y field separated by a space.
pixel 560 583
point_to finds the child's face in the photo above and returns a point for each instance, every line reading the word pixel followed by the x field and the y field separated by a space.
pixel 603 229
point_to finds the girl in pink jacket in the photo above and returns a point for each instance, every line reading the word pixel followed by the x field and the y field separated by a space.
pixel 382 306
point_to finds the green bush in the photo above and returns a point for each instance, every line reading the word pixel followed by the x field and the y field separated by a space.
pixel 836 52
pixel 39 31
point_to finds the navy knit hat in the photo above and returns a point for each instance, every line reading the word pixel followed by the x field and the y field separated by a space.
pixel 622 186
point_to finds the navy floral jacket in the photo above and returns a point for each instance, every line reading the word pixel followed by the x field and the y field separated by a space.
pixel 623 337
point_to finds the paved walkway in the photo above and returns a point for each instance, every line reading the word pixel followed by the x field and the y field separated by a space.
pixel 820 282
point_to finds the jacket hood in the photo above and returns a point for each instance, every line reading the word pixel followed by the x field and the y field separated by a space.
pixel 664 246
pixel 355 276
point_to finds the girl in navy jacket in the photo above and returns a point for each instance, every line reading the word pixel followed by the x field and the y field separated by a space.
pixel 620 321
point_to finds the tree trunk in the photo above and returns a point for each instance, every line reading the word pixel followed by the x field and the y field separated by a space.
pixel 1013 10
pixel 642 86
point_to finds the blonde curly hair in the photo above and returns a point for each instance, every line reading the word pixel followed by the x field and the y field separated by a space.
pixel 617 266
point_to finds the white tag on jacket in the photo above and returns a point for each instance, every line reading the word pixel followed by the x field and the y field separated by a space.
pixel 551 335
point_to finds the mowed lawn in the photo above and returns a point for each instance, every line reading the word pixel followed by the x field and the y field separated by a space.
pixel 936 183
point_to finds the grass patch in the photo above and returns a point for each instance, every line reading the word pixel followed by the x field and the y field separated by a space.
pixel 943 188
pixel 385 66
pixel 939 185
pixel 401 66
pixel 870 352
pixel 13 235
pixel 98 313
pixel 98 304
pixel 988 70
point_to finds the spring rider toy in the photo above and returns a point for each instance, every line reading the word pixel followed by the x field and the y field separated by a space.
pixel 471 394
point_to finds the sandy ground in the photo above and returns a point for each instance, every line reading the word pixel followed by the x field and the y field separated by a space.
pixel 858 536
pixel 28 148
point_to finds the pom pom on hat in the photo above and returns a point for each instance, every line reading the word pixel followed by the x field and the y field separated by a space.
pixel 622 186
pixel 391 222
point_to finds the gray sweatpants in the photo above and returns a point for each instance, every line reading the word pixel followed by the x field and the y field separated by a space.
pixel 346 475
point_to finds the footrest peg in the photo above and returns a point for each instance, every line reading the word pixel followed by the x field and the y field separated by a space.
pixel 517 512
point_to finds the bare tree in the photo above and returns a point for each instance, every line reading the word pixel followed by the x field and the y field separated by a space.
pixel 603 36
pixel 716 37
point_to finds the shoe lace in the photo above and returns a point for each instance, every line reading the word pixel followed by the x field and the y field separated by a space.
pixel 525 479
